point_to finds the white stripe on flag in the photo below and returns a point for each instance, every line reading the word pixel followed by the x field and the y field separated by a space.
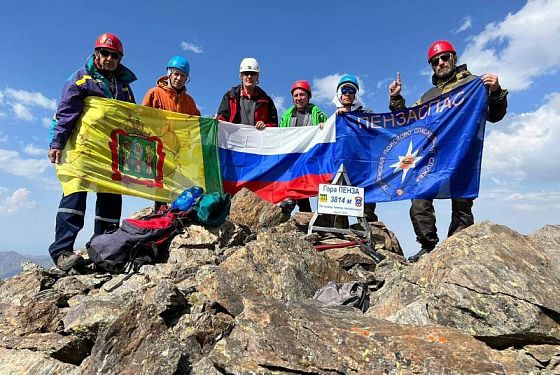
pixel 274 141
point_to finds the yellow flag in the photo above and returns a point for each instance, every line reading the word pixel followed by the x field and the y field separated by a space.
pixel 123 148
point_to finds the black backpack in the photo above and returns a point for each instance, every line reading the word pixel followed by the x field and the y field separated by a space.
pixel 136 242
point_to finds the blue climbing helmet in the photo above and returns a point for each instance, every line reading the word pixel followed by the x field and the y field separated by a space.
pixel 179 62
pixel 349 78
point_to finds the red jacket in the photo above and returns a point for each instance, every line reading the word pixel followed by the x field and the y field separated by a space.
pixel 165 97
pixel 265 110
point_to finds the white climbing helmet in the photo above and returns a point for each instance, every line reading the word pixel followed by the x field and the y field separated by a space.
pixel 249 64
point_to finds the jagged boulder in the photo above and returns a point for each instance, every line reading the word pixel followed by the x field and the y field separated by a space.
pixel 277 267
pixel 348 257
pixel 544 359
pixel 28 304
pixel 248 209
pixel 196 236
pixel 548 237
pixel 226 300
pixel 23 362
pixel 487 281
pixel 68 349
pixel 306 337
pixel 90 316
pixel 139 341
pixel 30 281
pixel 384 238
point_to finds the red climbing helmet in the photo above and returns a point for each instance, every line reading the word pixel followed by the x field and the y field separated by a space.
pixel 438 47
pixel 109 41
pixel 301 84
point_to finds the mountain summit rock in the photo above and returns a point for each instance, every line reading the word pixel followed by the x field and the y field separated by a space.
pixel 237 299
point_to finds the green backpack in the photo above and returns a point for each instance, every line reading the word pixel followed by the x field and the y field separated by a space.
pixel 212 209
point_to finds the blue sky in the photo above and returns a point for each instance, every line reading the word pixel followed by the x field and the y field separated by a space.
pixel 44 42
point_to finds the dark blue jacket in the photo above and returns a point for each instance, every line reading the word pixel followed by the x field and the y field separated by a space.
pixel 86 81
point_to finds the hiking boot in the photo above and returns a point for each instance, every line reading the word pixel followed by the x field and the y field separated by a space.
pixel 68 260
pixel 414 258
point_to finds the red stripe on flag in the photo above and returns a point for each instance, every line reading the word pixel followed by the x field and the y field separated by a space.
pixel 298 188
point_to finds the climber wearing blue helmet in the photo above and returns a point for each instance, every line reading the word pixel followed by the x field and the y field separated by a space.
pixel 346 101
pixel 346 95
pixel 170 92
pixel 181 63
pixel 349 79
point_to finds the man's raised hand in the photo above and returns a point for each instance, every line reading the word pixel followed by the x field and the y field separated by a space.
pixel 395 86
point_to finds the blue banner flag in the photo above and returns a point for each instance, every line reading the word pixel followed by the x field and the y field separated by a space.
pixel 433 150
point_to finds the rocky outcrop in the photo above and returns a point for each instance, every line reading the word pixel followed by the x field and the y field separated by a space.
pixel 139 341
pixel 236 299
pixel 309 338
pixel 548 238
pixel 487 281
pixel 250 210
pixel 11 262
pixel 272 267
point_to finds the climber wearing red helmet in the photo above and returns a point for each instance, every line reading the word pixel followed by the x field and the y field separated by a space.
pixel 442 57
pixel 103 75
pixel 302 113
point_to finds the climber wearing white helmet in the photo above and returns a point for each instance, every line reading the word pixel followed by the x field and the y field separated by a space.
pixel 247 103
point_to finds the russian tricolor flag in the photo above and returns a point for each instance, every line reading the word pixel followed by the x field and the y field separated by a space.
pixel 276 163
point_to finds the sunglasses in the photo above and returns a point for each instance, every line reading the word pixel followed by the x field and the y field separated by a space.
pixel 248 74
pixel 107 53
pixel 444 57
pixel 348 91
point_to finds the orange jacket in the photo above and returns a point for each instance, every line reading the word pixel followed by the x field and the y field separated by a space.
pixel 165 97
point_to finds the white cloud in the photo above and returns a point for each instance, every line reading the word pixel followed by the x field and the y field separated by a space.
pixel 30 149
pixel 20 102
pixel 22 112
pixel 324 89
pixel 384 83
pixel 529 201
pixel 279 103
pixel 46 122
pixel 525 146
pixel 520 48
pixel 465 25
pixel 12 163
pixel 186 46
pixel 35 99
pixel 18 201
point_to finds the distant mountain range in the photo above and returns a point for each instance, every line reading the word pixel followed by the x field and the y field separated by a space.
pixel 10 262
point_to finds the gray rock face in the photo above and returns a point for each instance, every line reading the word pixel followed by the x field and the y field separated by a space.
pixel 26 284
pixel 68 349
pixel 23 362
pixel 87 318
pixel 487 280
pixel 250 210
pixel 139 342
pixel 308 338
pixel 273 267
pixel 549 239
pixel 236 300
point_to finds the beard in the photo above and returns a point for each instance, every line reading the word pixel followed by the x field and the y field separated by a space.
pixel 446 72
